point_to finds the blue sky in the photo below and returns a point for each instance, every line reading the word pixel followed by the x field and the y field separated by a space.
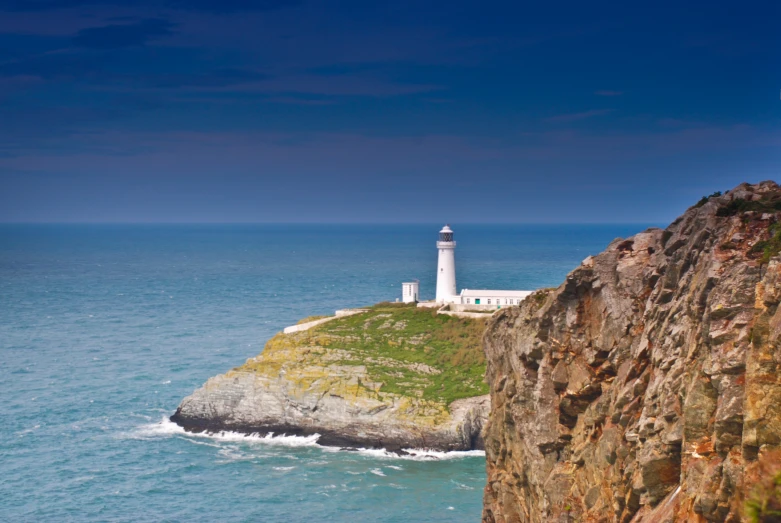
pixel 307 111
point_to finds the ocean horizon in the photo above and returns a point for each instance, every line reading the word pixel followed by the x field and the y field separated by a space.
pixel 107 327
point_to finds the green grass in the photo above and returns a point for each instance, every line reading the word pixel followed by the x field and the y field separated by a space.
pixel 769 203
pixel 705 199
pixel 769 248
pixel 764 502
pixel 390 339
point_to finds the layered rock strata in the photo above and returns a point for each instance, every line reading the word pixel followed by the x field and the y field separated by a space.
pixel 646 387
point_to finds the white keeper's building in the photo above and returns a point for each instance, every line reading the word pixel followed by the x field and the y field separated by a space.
pixel 489 297
pixel 446 283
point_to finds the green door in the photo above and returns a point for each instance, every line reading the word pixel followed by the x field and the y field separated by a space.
pixel 477 301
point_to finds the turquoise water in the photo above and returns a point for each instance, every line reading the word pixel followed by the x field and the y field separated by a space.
pixel 104 329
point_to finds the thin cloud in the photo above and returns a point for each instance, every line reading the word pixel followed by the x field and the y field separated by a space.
pixel 53 66
pixel 679 123
pixel 292 100
pixel 574 117
pixel 212 79
pixel 116 36
pixel 93 68
pixel 208 6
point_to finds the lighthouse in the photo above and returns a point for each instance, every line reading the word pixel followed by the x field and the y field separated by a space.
pixel 448 301
pixel 446 266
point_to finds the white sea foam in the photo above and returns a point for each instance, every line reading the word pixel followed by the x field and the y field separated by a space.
pixel 166 428
pixel 27 431
pixel 420 454
pixel 83 479
pixel 462 486
pixel 205 443
pixel 269 439
pixel 283 468
pixel 231 454
pixel 377 472
pixel 424 454
pixel 162 428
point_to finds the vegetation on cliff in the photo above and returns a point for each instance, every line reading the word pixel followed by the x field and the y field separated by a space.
pixel 763 503
pixel 404 350
pixel 766 203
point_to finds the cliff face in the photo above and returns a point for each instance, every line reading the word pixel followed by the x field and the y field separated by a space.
pixel 392 377
pixel 647 386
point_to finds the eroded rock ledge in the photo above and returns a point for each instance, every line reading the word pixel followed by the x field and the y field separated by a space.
pixel 647 386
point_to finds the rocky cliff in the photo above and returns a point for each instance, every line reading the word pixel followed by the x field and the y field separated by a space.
pixel 393 376
pixel 647 386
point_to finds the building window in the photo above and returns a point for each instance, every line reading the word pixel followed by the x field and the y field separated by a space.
pixel 467 300
pixel 489 301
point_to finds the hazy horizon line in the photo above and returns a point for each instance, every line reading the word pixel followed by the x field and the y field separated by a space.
pixel 325 223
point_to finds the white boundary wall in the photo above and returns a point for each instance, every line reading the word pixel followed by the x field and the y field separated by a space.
pixel 341 313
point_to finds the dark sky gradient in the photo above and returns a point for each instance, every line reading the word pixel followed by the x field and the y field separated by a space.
pixel 405 111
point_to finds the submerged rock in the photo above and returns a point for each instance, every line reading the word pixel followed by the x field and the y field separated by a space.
pixel 393 377
pixel 647 386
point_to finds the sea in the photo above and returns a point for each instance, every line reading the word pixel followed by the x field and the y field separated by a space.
pixel 105 328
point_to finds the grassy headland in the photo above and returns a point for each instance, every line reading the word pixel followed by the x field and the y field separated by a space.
pixel 405 350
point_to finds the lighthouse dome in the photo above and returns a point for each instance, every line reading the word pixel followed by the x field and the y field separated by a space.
pixel 446 234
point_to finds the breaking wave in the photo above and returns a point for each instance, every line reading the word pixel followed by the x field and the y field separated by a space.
pixel 166 428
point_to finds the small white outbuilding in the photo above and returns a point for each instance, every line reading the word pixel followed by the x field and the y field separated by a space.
pixel 410 291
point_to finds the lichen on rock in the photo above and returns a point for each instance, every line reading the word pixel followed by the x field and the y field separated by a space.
pixel 393 376
pixel 646 387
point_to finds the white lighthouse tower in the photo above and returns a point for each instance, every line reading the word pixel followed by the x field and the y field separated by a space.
pixel 446 266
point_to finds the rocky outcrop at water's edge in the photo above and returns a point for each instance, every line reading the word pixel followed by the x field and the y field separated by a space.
pixel 247 403
pixel 380 378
